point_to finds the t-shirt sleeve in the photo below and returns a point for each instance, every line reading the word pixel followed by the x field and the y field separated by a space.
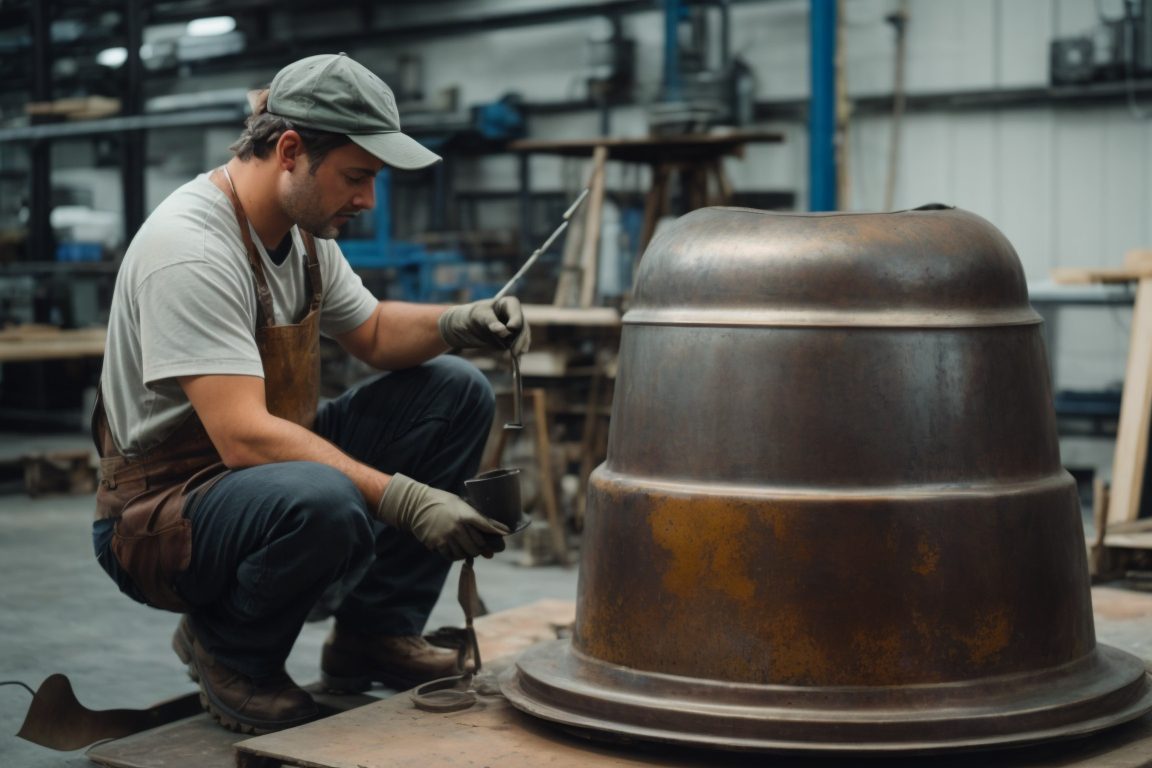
pixel 347 303
pixel 195 320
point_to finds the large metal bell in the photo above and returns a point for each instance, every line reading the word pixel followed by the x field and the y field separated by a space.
pixel 833 515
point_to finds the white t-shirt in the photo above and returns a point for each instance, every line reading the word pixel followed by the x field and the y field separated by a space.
pixel 185 305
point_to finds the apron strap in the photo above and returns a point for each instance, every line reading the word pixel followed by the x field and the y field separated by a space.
pixel 312 270
pixel 267 315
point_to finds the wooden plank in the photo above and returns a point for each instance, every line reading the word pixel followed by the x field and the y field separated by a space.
pixel 1139 259
pixel 1085 276
pixel 1128 540
pixel 567 285
pixel 40 343
pixel 546 314
pixel 1135 414
pixel 655 205
pixel 194 742
pixel 590 254
pixel 546 483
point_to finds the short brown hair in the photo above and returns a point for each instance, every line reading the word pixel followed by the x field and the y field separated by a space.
pixel 262 130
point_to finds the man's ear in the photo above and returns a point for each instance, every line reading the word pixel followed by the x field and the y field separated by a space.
pixel 289 150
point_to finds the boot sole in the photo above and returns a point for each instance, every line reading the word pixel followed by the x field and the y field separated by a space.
pixel 233 723
pixel 361 683
pixel 334 684
pixel 182 645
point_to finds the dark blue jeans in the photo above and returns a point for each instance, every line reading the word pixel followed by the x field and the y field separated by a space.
pixel 270 542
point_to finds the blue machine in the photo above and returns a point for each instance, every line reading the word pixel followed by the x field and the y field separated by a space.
pixel 420 273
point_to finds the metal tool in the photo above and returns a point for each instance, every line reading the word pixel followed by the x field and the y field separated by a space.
pixel 517 383
pixel 458 692
pixel 536 253
pixel 517 395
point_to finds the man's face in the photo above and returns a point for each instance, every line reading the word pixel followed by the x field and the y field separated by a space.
pixel 342 187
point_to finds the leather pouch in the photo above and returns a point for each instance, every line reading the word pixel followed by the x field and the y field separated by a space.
pixel 153 542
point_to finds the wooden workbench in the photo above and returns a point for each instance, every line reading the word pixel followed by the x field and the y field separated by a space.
pixel 1120 533
pixel 41 342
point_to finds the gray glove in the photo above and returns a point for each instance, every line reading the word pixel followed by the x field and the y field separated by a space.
pixel 442 521
pixel 496 324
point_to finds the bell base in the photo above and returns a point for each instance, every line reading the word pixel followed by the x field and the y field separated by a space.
pixel 555 682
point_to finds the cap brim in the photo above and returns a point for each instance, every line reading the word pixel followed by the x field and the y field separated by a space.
pixel 397 150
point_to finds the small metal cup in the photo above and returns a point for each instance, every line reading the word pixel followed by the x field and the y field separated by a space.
pixel 496 495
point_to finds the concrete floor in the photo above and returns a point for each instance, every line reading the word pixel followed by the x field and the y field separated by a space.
pixel 60 613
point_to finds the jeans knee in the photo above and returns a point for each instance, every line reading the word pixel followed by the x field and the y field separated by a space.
pixel 326 505
pixel 464 384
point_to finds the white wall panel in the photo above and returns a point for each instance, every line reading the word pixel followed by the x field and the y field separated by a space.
pixel 926 162
pixel 1078 208
pixel 950 45
pixel 773 40
pixel 975 158
pixel 1076 17
pixel 1023 31
pixel 1024 178
pixel 1125 186
pixel 868 149
pixel 869 47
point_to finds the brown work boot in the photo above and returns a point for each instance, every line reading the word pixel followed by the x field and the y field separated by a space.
pixel 351 661
pixel 238 702
pixel 182 643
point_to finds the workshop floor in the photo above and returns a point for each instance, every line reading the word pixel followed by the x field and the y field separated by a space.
pixel 59 613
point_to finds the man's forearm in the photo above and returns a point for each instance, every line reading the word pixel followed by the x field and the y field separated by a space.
pixel 268 440
pixel 401 335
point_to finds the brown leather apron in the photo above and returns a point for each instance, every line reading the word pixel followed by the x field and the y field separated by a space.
pixel 146 494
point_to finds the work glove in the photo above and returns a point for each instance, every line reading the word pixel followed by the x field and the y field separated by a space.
pixel 497 324
pixel 442 521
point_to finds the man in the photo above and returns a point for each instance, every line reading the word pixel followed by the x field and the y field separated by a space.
pixel 227 493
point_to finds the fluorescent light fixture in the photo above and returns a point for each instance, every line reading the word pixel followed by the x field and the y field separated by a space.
pixel 112 57
pixel 211 25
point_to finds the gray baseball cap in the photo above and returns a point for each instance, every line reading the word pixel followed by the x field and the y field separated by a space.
pixel 331 92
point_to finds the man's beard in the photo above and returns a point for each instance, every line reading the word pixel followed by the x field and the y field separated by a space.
pixel 303 206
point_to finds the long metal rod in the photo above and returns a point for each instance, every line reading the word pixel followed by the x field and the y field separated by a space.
pixel 536 254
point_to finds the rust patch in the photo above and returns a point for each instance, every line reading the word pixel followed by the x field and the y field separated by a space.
pixel 795 657
pixel 880 653
pixel 927 558
pixel 992 633
pixel 705 539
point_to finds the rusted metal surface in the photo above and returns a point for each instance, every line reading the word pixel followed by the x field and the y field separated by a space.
pixel 833 515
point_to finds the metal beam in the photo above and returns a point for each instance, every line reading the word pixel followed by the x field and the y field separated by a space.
pixel 132 103
pixel 41 243
pixel 822 109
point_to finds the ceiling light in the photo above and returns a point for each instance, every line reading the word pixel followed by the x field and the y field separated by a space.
pixel 212 25
pixel 112 57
